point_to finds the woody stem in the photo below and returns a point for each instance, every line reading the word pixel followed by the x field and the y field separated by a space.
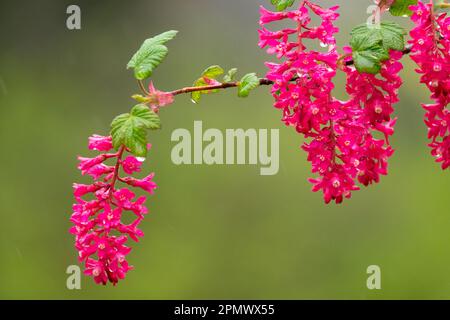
pixel 224 85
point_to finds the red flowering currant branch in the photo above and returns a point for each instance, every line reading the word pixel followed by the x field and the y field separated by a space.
pixel 341 135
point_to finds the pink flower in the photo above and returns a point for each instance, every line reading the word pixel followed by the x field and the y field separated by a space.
pixel 138 208
pixel 86 164
pixel 132 229
pixel 96 269
pixel 269 16
pixel 82 189
pixel 146 184
pixel 131 164
pixel 99 170
pixel 158 98
pixel 100 143
pixel 96 222
pixel 124 197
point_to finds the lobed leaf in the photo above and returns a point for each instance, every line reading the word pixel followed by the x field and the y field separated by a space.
pixel 210 73
pixel 150 55
pixel 281 5
pixel 369 60
pixel 400 8
pixel 130 129
pixel 231 74
pixel 371 44
pixel 248 82
pixel 393 35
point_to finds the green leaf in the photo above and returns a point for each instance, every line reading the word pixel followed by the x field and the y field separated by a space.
pixel 364 37
pixel 140 98
pixel 400 8
pixel 388 34
pixel 371 44
pixel 442 5
pixel 282 4
pixel 130 129
pixel 212 72
pixel 150 55
pixel 230 75
pixel 369 60
pixel 196 96
pixel 248 82
pixel 162 38
pixel 393 35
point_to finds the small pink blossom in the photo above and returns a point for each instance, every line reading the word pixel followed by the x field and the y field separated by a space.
pixel 100 143
pixel 87 163
pixel 99 170
pixel 146 184
pixel 82 189
pixel 124 197
pixel 131 164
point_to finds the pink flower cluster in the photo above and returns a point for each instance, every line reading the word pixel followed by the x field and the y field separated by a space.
pixel 342 149
pixel 431 51
pixel 100 234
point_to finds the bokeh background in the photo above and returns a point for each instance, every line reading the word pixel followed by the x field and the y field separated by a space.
pixel 214 232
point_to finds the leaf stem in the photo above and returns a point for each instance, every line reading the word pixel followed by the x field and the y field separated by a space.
pixel 142 87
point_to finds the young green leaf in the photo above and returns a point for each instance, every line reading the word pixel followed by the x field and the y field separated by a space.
pixel 140 98
pixel 130 129
pixel 150 55
pixel 248 82
pixel 400 8
pixel 369 60
pixel 212 72
pixel 282 4
pixel 209 75
pixel 196 95
pixel 371 44
pixel 230 75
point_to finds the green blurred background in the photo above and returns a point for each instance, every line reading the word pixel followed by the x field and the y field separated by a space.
pixel 214 232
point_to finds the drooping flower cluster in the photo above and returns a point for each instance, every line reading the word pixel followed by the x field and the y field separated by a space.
pixel 100 233
pixel 368 113
pixel 431 51
pixel 343 149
